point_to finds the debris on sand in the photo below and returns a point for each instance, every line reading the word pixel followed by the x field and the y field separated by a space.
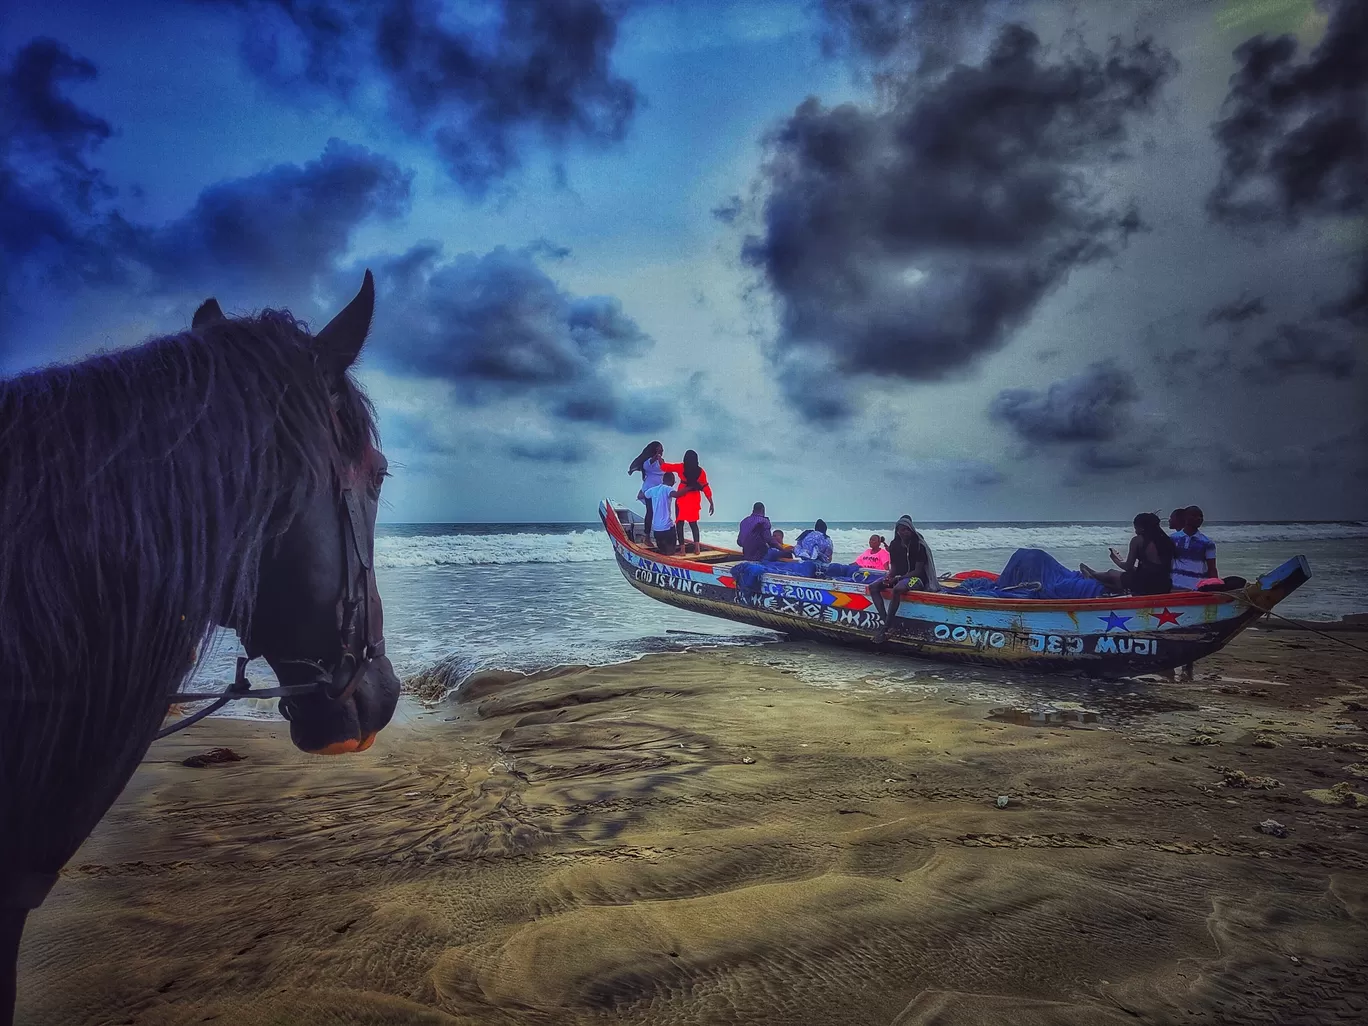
pixel 1001 801
pixel 747 760
pixel 1266 741
pixel 212 757
pixel 1202 739
pixel 1341 794
pixel 1273 828
pixel 1239 778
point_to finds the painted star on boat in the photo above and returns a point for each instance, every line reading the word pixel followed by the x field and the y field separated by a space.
pixel 1168 616
pixel 1114 622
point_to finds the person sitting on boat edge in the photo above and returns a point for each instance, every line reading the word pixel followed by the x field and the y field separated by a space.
pixel 778 550
pixel 1194 557
pixel 876 556
pixel 648 463
pixel 814 544
pixel 910 567
pixel 1147 568
pixel 659 497
pixel 754 535
pixel 693 482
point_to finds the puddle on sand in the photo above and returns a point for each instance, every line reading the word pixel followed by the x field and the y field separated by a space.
pixel 1060 714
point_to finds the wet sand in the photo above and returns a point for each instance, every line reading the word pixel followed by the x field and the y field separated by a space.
pixel 710 838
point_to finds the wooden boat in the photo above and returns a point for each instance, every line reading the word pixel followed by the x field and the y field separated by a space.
pixel 1113 636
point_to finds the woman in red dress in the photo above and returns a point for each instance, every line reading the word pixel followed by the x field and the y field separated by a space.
pixel 693 483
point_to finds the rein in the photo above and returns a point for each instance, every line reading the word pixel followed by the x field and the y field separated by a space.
pixel 357 609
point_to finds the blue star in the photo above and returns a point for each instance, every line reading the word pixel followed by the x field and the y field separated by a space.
pixel 1114 622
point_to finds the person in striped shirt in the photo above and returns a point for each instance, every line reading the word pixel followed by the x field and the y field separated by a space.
pixel 1195 558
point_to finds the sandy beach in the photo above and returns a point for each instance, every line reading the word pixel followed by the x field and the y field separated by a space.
pixel 703 838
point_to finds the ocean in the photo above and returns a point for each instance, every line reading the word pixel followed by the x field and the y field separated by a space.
pixel 530 596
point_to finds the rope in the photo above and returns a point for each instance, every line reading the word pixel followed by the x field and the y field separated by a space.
pixel 1313 630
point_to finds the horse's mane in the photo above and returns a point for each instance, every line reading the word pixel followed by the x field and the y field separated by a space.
pixel 138 492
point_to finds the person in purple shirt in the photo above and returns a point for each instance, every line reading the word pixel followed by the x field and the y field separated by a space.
pixel 755 533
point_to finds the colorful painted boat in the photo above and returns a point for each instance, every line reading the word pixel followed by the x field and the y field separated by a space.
pixel 1113 636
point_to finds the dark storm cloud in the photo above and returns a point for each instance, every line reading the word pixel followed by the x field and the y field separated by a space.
pixel 472 84
pixel 975 474
pixel 1345 453
pixel 279 229
pixel 729 210
pixel 1237 311
pixel 1295 349
pixel 1294 142
pixel 643 410
pixel 1105 459
pixel 496 326
pixel 52 218
pixel 558 451
pixel 1094 406
pixel 909 241
pixel 1353 305
pixel 930 32
pixel 1294 135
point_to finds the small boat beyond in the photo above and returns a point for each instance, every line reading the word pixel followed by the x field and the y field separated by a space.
pixel 1110 636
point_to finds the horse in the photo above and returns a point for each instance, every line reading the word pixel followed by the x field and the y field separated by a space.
pixel 227 476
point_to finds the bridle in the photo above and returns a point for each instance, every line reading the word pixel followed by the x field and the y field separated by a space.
pixel 359 621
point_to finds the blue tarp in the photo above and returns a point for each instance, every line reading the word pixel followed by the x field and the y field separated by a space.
pixel 1034 573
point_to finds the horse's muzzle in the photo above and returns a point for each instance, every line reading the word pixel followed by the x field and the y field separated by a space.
pixel 325 726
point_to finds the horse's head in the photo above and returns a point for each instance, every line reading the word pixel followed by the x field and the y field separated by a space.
pixel 317 618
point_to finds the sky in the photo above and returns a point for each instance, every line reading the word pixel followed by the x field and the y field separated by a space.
pixel 963 259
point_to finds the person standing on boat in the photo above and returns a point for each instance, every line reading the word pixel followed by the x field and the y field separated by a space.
pixel 659 499
pixel 693 484
pixel 755 534
pixel 648 463
pixel 909 559
pixel 875 557
pixel 814 544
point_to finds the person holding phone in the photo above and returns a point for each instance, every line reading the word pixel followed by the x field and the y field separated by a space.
pixel 1147 568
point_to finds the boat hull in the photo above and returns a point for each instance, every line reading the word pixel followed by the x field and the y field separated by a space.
pixel 1117 636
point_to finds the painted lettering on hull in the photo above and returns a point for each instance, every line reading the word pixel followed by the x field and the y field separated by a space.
pixel 862 619
pixel 1126 646
pixel 667 581
pixel 1044 644
pixel 974 636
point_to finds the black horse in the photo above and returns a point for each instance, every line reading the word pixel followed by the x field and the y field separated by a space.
pixel 228 475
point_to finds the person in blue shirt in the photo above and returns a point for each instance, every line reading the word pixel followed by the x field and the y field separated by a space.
pixel 1195 557
pixel 814 544
pixel 659 499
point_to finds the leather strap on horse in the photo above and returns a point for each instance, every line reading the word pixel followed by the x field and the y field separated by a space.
pixel 25 889
pixel 360 622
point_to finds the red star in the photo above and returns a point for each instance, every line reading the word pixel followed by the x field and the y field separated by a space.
pixel 1168 617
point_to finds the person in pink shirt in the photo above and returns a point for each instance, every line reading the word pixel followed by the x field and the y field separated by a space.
pixel 875 557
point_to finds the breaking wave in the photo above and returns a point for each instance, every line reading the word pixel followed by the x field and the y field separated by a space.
pixel 399 550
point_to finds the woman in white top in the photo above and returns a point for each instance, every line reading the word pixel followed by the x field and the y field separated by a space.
pixel 648 463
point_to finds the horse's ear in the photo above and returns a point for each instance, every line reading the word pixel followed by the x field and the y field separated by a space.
pixel 208 312
pixel 341 339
